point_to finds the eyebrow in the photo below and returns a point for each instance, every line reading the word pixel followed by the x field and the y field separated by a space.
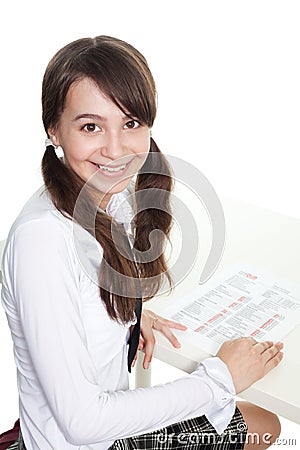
pixel 97 117
pixel 89 116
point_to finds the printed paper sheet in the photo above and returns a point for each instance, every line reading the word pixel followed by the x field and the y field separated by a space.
pixel 244 301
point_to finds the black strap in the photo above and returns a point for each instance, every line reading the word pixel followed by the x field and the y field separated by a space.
pixel 135 334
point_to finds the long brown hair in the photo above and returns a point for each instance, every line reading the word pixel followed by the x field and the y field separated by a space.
pixel 122 74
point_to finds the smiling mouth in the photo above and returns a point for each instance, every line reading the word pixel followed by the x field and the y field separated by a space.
pixel 112 169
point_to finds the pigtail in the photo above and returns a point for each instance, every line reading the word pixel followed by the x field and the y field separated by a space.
pixel 156 182
pixel 65 188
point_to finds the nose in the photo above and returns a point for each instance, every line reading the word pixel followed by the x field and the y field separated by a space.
pixel 113 146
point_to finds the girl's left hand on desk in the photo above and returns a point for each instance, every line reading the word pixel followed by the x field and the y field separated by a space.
pixel 151 321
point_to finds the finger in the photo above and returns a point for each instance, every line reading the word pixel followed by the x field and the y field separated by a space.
pixel 140 347
pixel 271 353
pixel 273 362
pixel 149 343
pixel 134 360
pixel 148 353
pixel 263 346
pixel 268 345
pixel 141 344
pixel 170 323
pixel 165 330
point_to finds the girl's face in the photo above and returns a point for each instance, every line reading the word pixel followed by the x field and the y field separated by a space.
pixel 100 143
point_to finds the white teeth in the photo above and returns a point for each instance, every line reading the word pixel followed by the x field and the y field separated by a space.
pixel 112 169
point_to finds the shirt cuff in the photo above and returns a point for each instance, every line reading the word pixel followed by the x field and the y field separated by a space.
pixel 220 381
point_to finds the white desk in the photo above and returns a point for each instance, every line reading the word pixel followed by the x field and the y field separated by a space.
pixel 270 241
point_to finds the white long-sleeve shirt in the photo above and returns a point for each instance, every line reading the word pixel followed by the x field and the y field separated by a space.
pixel 71 357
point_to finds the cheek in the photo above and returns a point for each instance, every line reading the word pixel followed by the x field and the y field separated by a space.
pixel 76 149
pixel 142 144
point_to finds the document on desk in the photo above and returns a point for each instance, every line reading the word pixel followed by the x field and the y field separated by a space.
pixel 241 301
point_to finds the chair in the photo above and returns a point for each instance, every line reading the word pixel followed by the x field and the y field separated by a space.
pixel 9 437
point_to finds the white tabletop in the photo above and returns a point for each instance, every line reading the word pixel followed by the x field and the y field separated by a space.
pixel 270 241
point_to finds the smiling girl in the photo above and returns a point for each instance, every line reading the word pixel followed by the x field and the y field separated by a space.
pixel 72 284
pixel 82 131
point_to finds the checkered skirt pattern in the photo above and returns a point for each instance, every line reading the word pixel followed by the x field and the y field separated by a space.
pixel 190 434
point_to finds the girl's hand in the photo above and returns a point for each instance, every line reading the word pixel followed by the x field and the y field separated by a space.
pixel 248 360
pixel 149 322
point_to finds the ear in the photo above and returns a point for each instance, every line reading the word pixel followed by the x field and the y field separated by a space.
pixel 54 136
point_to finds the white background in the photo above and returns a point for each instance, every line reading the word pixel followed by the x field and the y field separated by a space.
pixel 227 75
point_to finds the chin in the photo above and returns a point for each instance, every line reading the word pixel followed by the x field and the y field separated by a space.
pixel 109 188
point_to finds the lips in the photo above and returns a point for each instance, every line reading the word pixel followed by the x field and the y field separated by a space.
pixel 112 170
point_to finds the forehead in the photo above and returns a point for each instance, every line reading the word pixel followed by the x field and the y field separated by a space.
pixel 84 96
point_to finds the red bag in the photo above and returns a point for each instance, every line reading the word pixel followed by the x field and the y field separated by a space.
pixel 9 437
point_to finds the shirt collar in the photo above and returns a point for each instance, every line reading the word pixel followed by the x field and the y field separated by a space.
pixel 120 207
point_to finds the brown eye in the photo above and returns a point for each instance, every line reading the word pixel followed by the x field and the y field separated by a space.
pixel 132 124
pixel 91 127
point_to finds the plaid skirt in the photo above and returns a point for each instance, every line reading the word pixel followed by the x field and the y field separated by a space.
pixel 190 434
